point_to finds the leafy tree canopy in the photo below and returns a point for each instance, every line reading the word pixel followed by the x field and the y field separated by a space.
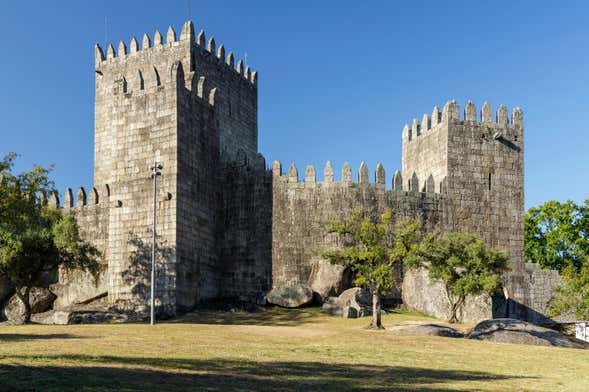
pixel 34 238
pixel 557 235
pixel 572 297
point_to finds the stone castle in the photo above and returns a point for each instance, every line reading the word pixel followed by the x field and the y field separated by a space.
pixel 231 228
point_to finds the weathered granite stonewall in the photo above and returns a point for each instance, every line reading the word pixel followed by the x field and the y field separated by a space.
pixel 231 228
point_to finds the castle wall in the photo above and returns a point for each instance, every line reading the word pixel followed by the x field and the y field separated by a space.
pixel 530 290
pixel 300 211
pixel 246 246
pixel 91 211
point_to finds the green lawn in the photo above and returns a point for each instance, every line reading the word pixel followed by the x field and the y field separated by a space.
pixel 279 350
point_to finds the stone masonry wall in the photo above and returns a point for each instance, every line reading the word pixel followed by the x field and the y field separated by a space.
pixel 246 247
pixel 301 209
pixel 530 291
pixel 199 194
pixel 135 124
pixel 91 211
pixel 481 171
pixel 236 98
pixel 425 151
pixel 184 104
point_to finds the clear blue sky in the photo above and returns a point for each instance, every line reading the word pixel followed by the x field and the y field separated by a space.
pixel 338 79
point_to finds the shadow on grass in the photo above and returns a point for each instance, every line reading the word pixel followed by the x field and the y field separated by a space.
pixel 16 337
pixel 172 374
pixel 271 317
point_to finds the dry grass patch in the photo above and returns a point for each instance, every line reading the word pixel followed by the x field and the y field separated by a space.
pixel 279 350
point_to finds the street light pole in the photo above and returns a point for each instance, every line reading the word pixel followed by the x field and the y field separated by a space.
pixel 155 172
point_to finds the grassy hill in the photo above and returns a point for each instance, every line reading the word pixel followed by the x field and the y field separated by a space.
pixel 279 350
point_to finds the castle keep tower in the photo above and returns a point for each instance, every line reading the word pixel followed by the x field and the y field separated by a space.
pixel 479 164
pixel 183 103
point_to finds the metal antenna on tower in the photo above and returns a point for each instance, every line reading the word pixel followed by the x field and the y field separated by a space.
pixel 105 32
pixel 188 8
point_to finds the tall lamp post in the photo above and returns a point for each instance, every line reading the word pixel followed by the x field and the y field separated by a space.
pixel 155 172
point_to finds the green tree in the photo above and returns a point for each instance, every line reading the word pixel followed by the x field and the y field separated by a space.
pixel 463 263
pixel 36 239
pixel 572 297
pixel 557 235
pixel 371 247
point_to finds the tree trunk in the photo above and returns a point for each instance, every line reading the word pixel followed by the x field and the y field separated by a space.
pixel 376 322
pixel 455 306
pixel 24 298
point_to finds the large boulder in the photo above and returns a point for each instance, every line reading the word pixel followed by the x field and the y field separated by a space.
pixel 41 300
pixel 429 330
pixel 421 295
pixel 520 332
pixel 327 279
pixel 293 296
pixel 77 287
pixel 352 303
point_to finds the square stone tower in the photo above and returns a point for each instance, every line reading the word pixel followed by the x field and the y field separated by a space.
pixel 479 164
pixel 183 104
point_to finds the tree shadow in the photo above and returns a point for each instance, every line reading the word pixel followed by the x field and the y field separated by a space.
pixel 138 273
pixel 270 317
pixel 17 337
pixel 172 374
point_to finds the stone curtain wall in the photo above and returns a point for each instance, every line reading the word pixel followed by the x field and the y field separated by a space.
pixel 530 291
pixel 92 215
pixel 300 211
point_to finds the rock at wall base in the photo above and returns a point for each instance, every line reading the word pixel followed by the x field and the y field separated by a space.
pixel 352 303
pixel 78 287
pixel 290 296
pixel 41 299
pixel 421 295
pixel 521 332
pixel 327 279
pixel 429 330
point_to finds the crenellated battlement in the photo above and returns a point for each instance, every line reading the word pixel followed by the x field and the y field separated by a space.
pixel 82 199
pixel 451 113
pixel 134 59
pixel 413 184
